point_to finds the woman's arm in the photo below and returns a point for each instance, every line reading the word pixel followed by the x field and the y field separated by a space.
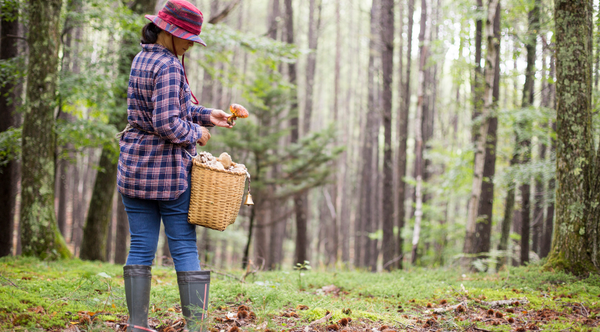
pixel 167 109
pixel 201 115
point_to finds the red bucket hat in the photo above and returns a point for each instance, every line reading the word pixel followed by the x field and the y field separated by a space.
pixel 181 19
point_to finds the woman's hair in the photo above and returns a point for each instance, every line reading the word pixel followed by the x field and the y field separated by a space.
pixel 150 33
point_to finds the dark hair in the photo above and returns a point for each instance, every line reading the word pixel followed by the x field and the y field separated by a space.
pixel 150 33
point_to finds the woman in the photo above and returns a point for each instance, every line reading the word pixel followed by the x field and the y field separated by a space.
pixel 154 168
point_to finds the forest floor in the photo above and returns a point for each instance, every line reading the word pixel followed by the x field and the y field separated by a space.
pixel 88 296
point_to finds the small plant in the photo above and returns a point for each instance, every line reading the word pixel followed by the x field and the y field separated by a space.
pixel 300 267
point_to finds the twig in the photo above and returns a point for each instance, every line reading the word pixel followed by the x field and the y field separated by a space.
pixel 505 302
pixel 392 261
pixel 14 36
pixel 480 329
pixel 318 321
pixel 404 325
pixel 248 272
pixel 227 275
pixel 12 283
pixel 451 308
pixel 582 307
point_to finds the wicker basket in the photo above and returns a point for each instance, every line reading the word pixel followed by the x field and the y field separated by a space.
pixel 216 196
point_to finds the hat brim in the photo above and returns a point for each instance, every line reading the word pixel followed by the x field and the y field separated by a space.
pixel 175 30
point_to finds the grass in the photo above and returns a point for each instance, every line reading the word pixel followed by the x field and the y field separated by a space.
pixel 61 295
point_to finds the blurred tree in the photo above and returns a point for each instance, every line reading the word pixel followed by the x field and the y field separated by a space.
pixel 483 229
pixel 403 132
pixel 420 116
pixel 40 234
pixel 9 104
pixel 477 86
pixel 387 58
pixel 525 126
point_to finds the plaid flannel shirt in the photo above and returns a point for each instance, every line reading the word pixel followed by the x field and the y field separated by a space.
pixel 156 153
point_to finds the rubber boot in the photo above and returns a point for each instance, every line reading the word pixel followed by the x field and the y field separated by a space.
pixel 193 292
pixel 138 279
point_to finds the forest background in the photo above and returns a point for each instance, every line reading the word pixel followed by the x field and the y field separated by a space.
pixel 382 133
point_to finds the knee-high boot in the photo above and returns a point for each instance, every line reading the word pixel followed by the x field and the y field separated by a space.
pixel 193 292
pixel 138 279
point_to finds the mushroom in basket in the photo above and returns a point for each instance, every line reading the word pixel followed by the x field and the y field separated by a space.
pixel 237 111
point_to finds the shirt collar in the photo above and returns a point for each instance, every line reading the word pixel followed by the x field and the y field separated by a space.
pixel 155 48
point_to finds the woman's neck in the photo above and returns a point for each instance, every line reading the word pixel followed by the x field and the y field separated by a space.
pixel 165 40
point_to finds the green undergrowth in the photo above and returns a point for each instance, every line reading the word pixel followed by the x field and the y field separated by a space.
pixel 40 295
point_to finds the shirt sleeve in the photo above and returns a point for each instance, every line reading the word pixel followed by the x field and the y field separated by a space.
pixel 166 117
pixel 201 116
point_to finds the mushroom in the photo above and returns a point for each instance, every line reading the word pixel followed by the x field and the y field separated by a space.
pixel 225 160
pixel 237 111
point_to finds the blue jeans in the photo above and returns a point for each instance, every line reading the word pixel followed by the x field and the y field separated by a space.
pixel 144 226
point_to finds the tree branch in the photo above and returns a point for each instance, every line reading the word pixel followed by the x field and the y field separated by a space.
pixel 214 19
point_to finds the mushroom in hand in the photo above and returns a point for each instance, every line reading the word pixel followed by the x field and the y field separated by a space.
pixel 237 111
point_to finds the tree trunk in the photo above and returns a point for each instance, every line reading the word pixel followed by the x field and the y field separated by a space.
pixel 486 202
pixel 300 205
pixel 96 226
pixel 575 242
pixel 337 189
pixel 419 165
pixel 528 94
pixel 121 237
pixel 95 232
pixel 478 101
pixel 546 241
pixel 278 229
pixel 261 236
pixel 489 106
pixel 41 237
pixel 72 32
pixel 403 134
pixel 313 37
pixel 387 63
pixel 314 22
pixel 369 168
pixel 9 103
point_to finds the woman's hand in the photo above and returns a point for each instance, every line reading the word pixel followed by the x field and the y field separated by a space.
pixel 205 136
pixel 219 118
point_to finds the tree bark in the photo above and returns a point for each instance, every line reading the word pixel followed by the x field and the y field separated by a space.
pixel 488 110
pixel 9 103
pixel 528 94
pixel 95 230
pixel 121 237
pixel 546 241
pixel 64 179
pixel 477 86
pixel 575 242
pixel 278 229
pixel 311 65
pixel 387 59
pixel 300 199
pixel 261 236
pixel 470 237
pixel 368 175
pixel 403 134
pixel 486 202
pixel 41 237
pixel 419 165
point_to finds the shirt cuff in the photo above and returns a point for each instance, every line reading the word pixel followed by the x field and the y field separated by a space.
pixel 201 116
